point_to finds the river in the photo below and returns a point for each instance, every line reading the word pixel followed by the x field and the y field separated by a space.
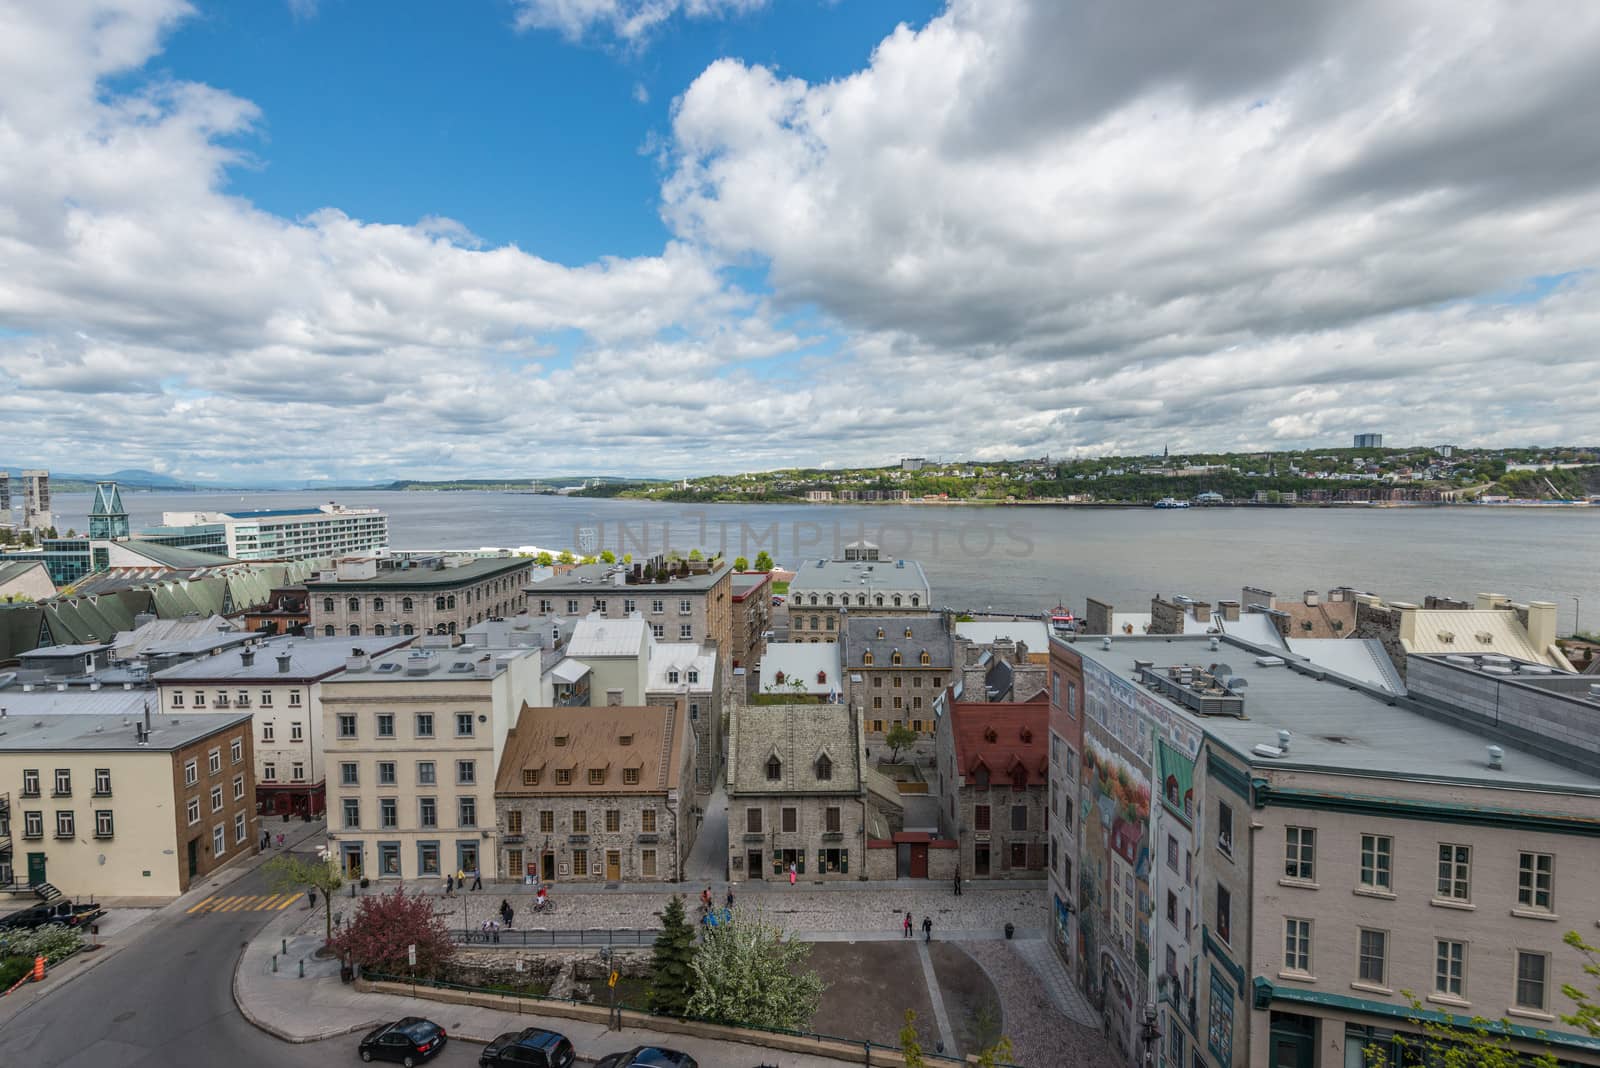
pixel 1026 559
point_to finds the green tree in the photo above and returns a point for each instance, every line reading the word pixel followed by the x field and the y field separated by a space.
pixel 627 558
pixel 763 561
pixel 1477 1042
pixel 1587 1013
pixel 544 559
pixel 696 554
pixel 566 557
pixel 71 533
pixel 590 560
pixel 748 973
pixel 899 737
pixel 741 564
pixel 910 1044
pixel 607 556
pixel 997 1054
pixel 289 872
pixel 672 965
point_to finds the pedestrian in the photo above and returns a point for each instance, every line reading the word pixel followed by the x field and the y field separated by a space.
pixel 730 895
pixel 483 929
pixel 266 840
pixel 311 896
pixel 791 873
pixel 461 877
pixel 907 926
pixel 705 899
pixel 510 914
pixel 494 929
pixel 449 885
pixel 927 928
pixel 477 879
pixel 958 884
pixel 280 841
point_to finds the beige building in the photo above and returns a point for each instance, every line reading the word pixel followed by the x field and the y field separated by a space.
pixel 596 794
pixel 1491 624
pixel 98 806
pixel 796 794
pixel 413 739
pixel 694 604
pixel 896 667
pixel 25 580
pixel 823 590
pixel 438 595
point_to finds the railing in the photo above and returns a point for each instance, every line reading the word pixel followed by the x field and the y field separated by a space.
pixel 540 936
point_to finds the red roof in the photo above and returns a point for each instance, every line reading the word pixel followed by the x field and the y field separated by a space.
pixel 1005 738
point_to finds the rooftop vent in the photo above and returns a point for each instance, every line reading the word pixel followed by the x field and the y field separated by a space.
pixel 247 657
pixel 1105 643
pixel 1594 691
pixel 388 668
pixel 1283 740
pixel 1457 658
pixel 284 660
pixel 1497 758
pixel 460 667
pixel 1214 644
pixel 1269 661
pixel 1497 669
pixel 1195 688
pixel 1266 750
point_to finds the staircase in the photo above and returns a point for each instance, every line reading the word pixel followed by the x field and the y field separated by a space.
pixel 46 892
pixel 664 770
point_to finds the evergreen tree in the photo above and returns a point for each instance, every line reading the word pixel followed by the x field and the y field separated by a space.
pixel 741 564
pixel 763 561
pixel 672 965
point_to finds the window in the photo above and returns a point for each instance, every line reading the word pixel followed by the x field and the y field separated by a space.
pixel 693 676
pixel 353 604
pixel 385 724
pixel 1172 908
pixel 1373 951
pixel 355 630
pixel 647 862
pixel 658 631
pixel 866 659
pixel 467 811
pixel 685 606
pixel 613 820
pixel 424 725
pixel 30 783
pixel 466 772
pixel 266 698
pixel 407 604
pixel 268 731
pixel 347 725
pixel 630 776
pixel 297 771
pixel 199 699
pixel 629 605
pixel 240 825
pixel 328 631
pixel 104 825
pixel 824 768
pixel 647 821
pixel 1224 914
pixel 244 697
pixel 177 699
pixel 547 821
pixel 580 822
pixel 191 810
pixel 563 776
pixel 66 826
pixel 297 731
pixel 238 787
pixel 685 631
pixel 1536 881
pixel 580 862
pixel 1019 817
pixel 352 812
pixel 1455 872
pixel 463 724
pixel 980 817
pixel 1300 853
pixel 774 769
pixel 1297 946
pixel 236 750
pixel 386 776
pixel 102 782
pixel 895 659
pixel 1172 852
pixel 377 604
pixel 600 605
pixel 33 824
pixel 269 771
pixel 349 773
pixel 388 813
pixel 427 812
pixel 294 698
pixel 1532 969
pixel 1450 968
pixel 425 774
pixel 214 761
pixel 672 675
pixel 191 772
pixel 1225 828
pixel 791 820
pixel 428 858
pixel 219 840
pixel 657 607
pixel 597 776
pixel 752 821
pixel 1377 850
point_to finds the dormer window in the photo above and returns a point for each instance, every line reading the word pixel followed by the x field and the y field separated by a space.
pixel 880 632
pixel 778 678
pixel 597 776
pixel 908 632
pixel 774 769
pixel 866 658
pixel 895 658
pixel 982 777
pixel 822 678
pixel 530 776
pixel 828 599
pixel 897 600
pixel 925 659
pixel 878 600
pixel 626 739
pixel 824 768
pixel 694 677
pixel 672 676
pixel 561 739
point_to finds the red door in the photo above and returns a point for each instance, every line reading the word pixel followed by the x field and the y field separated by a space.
pixel 919 861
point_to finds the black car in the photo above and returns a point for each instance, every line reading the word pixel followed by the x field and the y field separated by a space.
pixel 648 1057
pixel 533 1047
pixel 409 1041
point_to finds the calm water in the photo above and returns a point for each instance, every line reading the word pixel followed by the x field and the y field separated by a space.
pixel 1027 558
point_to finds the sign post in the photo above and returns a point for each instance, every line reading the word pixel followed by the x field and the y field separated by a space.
pixel 411 961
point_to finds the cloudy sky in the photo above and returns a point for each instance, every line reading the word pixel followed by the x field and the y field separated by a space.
pixel 515 237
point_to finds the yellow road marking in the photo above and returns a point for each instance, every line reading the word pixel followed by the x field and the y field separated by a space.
pixel 287 901
pixel 202 905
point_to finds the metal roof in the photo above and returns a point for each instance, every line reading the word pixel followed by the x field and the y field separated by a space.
pixel 102 732
pixel 597 636
pixel 682 657
pixel 309 659
pixel 803 661
pixel 869 576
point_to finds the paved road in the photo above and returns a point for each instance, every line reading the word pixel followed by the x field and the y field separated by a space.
pixel 167 1000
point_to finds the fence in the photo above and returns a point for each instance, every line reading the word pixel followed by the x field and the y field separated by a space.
pixel 539 936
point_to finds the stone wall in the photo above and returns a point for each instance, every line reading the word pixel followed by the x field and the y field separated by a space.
pixel 630 840
pixel 1382 623
pixel 1097 617
pixel 1166 617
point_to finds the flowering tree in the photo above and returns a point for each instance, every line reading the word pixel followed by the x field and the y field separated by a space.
pixel 748 973
pixel 289 872
pixel 386 925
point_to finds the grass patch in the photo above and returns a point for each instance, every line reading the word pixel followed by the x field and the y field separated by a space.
pixel 530 989
pixel 785 699
pixel 780 588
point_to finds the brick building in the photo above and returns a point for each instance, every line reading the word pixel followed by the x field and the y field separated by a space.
pixel 993 766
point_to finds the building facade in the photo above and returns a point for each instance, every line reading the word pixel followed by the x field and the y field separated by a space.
pixel 285 533
pixel 993 768
pixel 823 591
pixel 796 794
pixel 752 616
pixel 103 807
pixel 36 500
pixel 442 596
pixel 695 604
pixel 597 794
pixel 896 667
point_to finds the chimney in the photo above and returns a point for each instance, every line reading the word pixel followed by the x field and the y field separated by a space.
pixel 1311 598
pixel 1229 611
pixel 1487 602
pixel 147 719
pixel 357 660
pixel 1408 619
pixel 284 660
pixel 1202 612
pixel 247 656
pixel 1542 625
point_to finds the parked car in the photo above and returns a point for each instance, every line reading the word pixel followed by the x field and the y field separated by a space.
pixel 776 600
pixel 648 1057
pixel 63 912
pixel 533 1047
pixel 408 1041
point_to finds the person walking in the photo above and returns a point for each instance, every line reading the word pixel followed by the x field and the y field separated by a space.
pixel 730 895
pixel 461 878
pixel 927 928
pixel 266 840
pixel 280 841
pixel 958 884
pixel 494 929
pixel 792 873
pixel 449 885
pixel 477 879
pixel 510 914
pixel 311 896
pixel 907 926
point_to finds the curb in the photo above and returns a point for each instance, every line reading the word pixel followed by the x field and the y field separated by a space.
pixel 260 1024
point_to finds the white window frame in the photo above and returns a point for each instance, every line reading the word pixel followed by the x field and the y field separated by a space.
pixel 1377 862
pixel 1454 884
pixel 1534 883
pixel 1297 945
pixel 1450 967
pixel 1300 854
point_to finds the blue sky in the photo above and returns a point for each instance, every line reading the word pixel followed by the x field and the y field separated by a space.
pixel 295 239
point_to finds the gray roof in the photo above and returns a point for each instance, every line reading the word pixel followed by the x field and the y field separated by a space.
pixel 927 633
pixel 519 631
pixel 63 652
pixel 426 577
pixel 1335 723
pixel 594 578
pixel 798 734
pixel 19 704
pixel 889 576
pixel 433 664
pixel 102 732
pixel 309 659
pixel 12 569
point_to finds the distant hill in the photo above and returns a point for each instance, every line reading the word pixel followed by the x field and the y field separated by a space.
pixel 1571 483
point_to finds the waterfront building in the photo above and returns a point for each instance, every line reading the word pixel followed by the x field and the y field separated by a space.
pixel 895 666
pixel 331 529
pixel 597 794
pixel 796 793
pixel 993 762
pixel 695 604
pixel 441 596
pixel 1264 855
pixel 110 805
pixel 5 498
pixel 823 591
pixel 280 684
pixel 413 739
pixel 108 519
pixel 36 500
pixel 752 616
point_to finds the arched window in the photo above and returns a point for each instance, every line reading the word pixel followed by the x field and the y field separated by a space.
pixel 824 768
pixel 861 599
pixel 926 659
pixel 355 630
pixel 866 658
pixel 879 601
pixel 774 769
pixel 894 659
pixel 328 631
pixel 814 624
pixel 405 604
pixel 897 600
pixel 828 599
pixel 438 604
pixel 450 601
pixel 327 604
pixel 354 604
pixel 377 604
pixel 451 629
pixel 408 629
pixel 378 630
pixel 914 600
pixel 813 598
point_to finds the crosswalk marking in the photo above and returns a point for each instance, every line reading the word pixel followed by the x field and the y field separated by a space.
pixel 245 903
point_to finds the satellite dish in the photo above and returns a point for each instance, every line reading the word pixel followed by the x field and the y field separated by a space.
pixel 1221 670
pixel 1238 683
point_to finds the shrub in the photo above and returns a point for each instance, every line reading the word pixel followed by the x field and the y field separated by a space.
pixel 53 942
pixel 384 926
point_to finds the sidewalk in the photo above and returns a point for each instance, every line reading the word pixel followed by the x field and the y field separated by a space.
pixel 320 1007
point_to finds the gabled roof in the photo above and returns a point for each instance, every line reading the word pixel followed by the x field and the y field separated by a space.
pixel 1440 630
pixel 798 734
pixel 593 739
pixel 927 633
pixel 597 636
pixel 1004 738
pixel 804 661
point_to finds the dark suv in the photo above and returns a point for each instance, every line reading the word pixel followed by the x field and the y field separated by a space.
pixel 408 1041
pixel 531 1048
pixel 648 1057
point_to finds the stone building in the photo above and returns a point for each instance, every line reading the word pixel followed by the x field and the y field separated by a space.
pixel 694 602
pixel 796 793
pixel 752 616
pixel 895 666
pixel 597 794
pixel 822 592
pixel 444 595
pixel 993 766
